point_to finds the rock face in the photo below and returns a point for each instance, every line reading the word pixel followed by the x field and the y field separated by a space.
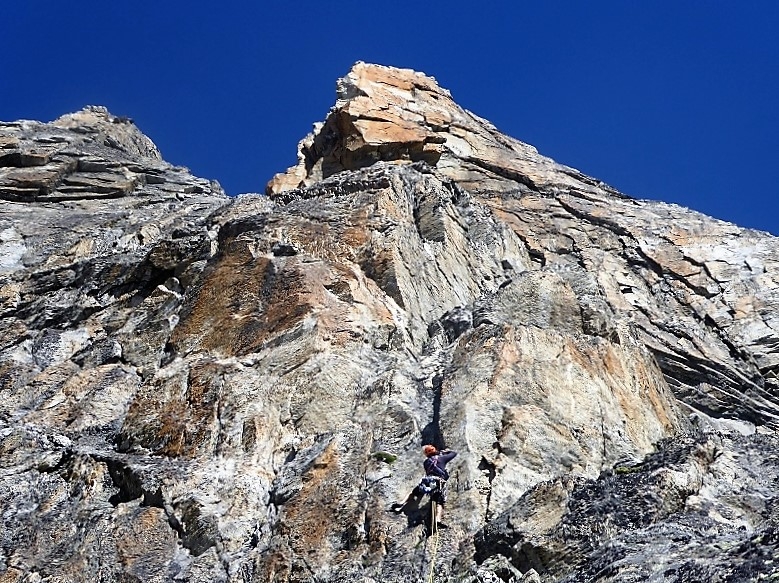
pixel 199 388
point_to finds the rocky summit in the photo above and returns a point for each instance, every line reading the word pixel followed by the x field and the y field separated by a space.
pixel 211 389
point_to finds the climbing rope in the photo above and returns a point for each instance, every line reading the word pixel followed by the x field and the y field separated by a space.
pixel 434 533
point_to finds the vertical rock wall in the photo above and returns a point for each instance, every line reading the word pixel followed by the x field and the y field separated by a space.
pixel 199 388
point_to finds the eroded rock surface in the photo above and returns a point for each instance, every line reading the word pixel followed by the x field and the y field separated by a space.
pixel 198 388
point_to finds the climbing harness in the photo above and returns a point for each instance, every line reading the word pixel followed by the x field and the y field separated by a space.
pixel 434 534
pixel 430 484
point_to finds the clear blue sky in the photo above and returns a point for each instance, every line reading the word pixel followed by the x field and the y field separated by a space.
pixel 667 100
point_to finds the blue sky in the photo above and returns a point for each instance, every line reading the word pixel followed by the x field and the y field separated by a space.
pixel 673 101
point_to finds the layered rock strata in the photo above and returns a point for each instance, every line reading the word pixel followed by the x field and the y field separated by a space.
pixel 702 293
pixel 208 389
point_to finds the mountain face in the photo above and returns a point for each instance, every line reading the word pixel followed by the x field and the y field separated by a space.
pixel 202 388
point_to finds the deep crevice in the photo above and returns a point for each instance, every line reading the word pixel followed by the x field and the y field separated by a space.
pixel 488 468
pixel 432 432
pixel 125 479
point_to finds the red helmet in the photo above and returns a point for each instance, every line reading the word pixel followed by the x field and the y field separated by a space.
pixel 429 450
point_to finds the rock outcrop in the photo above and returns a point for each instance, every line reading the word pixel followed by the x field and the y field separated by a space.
pixel 200 388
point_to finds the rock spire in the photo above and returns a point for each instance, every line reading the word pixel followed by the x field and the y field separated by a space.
pixel 400 115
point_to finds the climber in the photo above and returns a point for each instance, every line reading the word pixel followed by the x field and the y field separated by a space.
pixel 434 482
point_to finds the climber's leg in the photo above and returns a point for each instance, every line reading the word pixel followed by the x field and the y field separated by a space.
pixel 413 495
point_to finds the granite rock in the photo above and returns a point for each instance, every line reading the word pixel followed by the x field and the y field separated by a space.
pixel 197 388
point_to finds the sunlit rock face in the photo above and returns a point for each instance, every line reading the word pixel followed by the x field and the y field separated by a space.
pixel 198 388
